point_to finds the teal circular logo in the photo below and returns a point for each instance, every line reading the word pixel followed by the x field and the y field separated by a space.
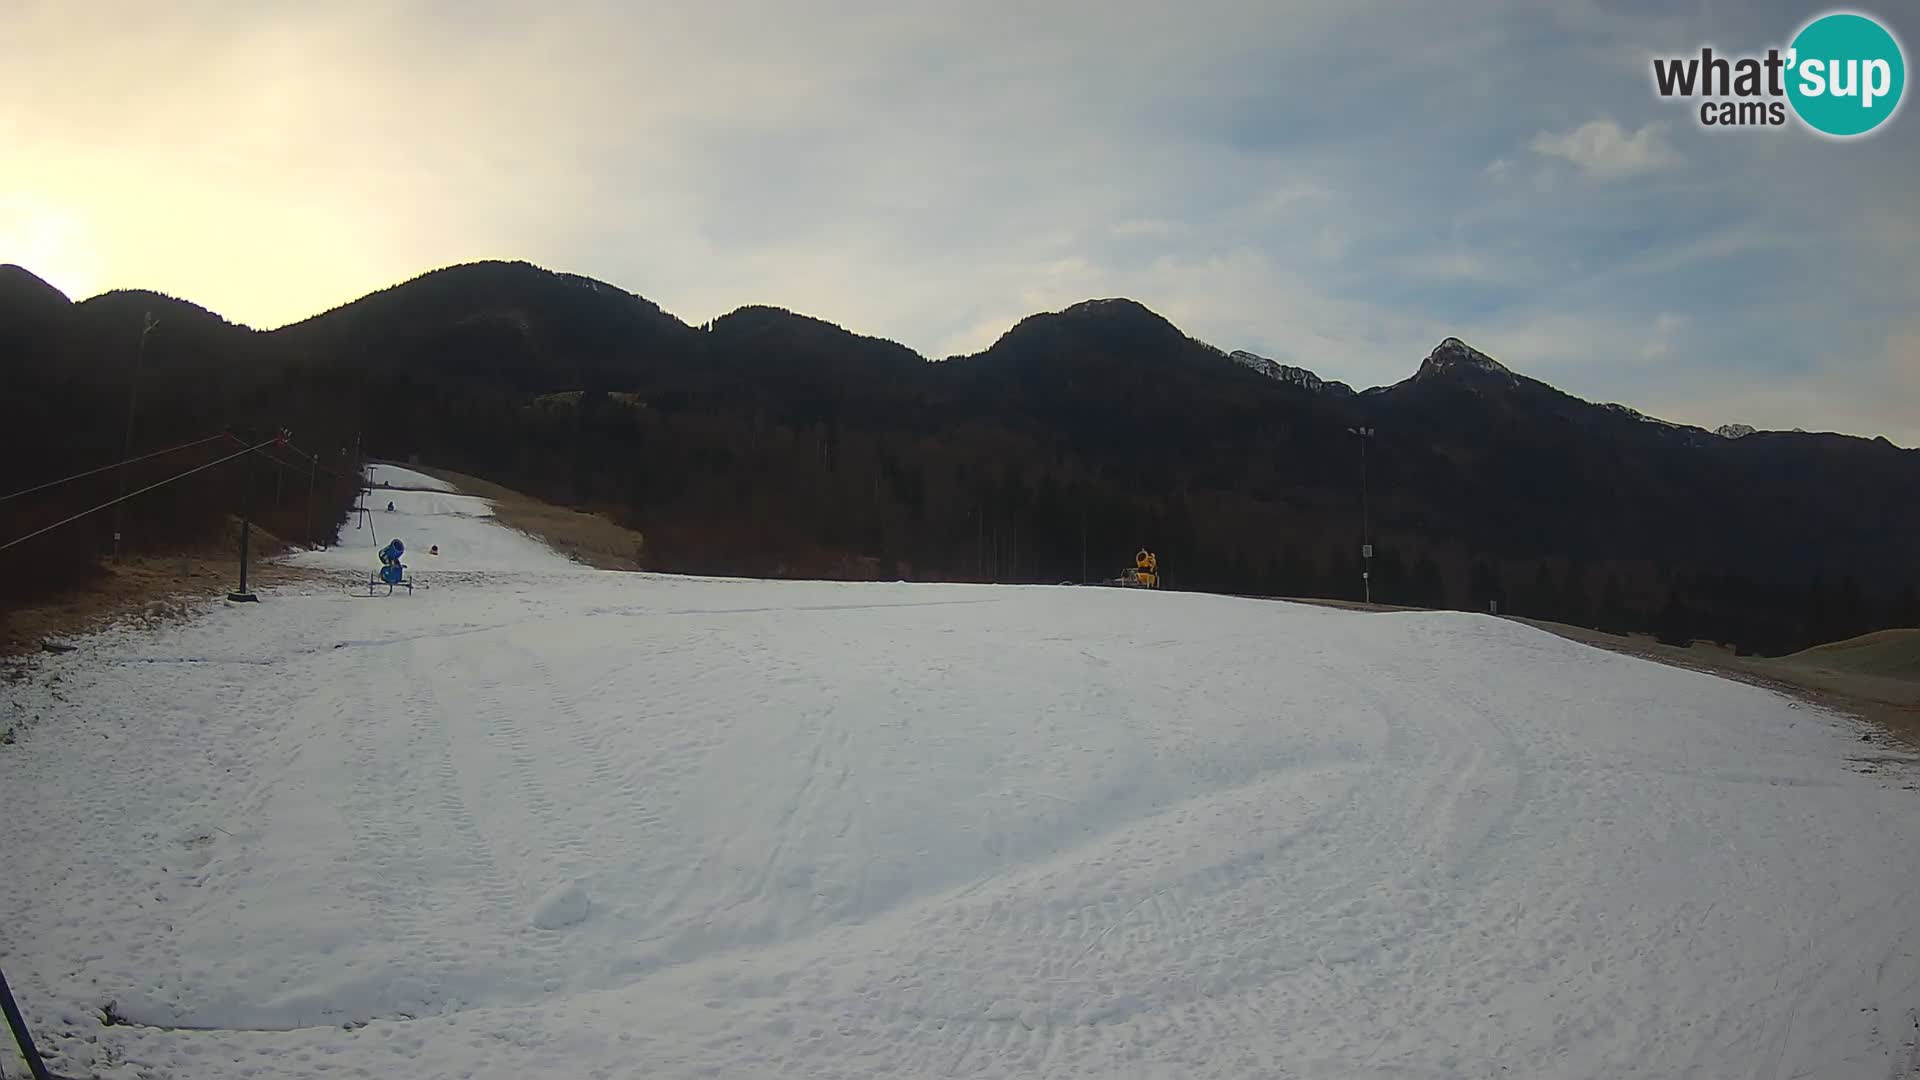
pixel 1846 73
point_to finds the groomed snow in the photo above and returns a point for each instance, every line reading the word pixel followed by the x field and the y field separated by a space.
pixel 461 526
pixel 545 822
pixel 395 476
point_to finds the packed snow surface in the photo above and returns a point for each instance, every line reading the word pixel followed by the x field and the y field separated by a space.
pixel 395 476
pixel 537 821
pixel 460 526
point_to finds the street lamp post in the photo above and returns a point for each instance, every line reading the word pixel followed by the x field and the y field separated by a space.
pixel 1365 434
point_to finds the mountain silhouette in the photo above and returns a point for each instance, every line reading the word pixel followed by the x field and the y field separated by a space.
pixel 768 442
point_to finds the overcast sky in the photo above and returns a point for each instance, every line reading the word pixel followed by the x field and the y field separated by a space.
pixel 1335 185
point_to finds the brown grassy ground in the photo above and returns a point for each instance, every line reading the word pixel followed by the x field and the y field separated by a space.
pixel 1892 654
pixel 1893 703
pixel 145 588
pixel 1844 677
pixel 588 537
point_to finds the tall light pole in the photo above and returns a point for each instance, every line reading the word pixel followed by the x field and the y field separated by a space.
pixel 247 470
pixel 1365 435
pixel 147 323
pixel 313 473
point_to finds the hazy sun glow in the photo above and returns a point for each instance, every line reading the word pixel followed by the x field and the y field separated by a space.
pixel 51 243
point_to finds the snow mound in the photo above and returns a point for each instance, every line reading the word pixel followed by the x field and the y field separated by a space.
pixel 564 906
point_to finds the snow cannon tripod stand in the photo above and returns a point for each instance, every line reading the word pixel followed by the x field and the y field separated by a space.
pixel 392 573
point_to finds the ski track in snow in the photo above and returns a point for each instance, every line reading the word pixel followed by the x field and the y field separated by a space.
pixel 920 830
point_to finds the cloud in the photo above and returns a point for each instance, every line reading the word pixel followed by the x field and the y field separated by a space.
pixel 1604 150
pixel 1289 196
pixel 1148 228
pixel 933 181
pixel 1659 341
pixel 1903 368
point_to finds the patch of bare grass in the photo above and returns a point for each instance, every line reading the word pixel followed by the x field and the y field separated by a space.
pixel 151 590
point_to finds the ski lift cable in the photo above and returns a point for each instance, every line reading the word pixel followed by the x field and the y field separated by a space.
pixel 115 465
pixel 301 467
pixel 130 495
pixel 313 459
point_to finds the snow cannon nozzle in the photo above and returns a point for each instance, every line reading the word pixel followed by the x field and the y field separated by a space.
pixel 392 571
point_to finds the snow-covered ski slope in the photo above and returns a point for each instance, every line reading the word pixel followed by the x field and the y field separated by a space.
pixel 395 476
pixel 461 526
pixel 544 822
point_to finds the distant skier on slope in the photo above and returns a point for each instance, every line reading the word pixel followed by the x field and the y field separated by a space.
pixel 389 507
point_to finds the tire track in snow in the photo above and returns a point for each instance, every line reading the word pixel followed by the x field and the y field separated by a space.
pixel 497 711
pixel 414 828
pixel 781 901
pixel 423 698
pixel 1166 928
pixel 622 820
pixel 1156 931
pixel 784 828
pixel 678 752
pixel 587 815
pixel 1192 907
pixel 388 846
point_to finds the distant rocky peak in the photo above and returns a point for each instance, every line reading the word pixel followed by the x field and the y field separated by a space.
pixel 1287 373
pixel 1112 305
pixel 1454 355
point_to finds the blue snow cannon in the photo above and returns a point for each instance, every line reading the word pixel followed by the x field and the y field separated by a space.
pixel 392 572
pixel 391 568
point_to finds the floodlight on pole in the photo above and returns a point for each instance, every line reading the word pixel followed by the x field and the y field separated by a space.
pixel 147 326
pixel 1365 435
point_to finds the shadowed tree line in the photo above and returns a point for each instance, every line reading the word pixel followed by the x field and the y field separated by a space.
pixel 73 375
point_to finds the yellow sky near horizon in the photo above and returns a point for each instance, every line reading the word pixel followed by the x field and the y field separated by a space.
pixel 296 159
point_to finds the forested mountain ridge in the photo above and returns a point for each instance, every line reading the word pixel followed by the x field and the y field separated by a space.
pixel 767 442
